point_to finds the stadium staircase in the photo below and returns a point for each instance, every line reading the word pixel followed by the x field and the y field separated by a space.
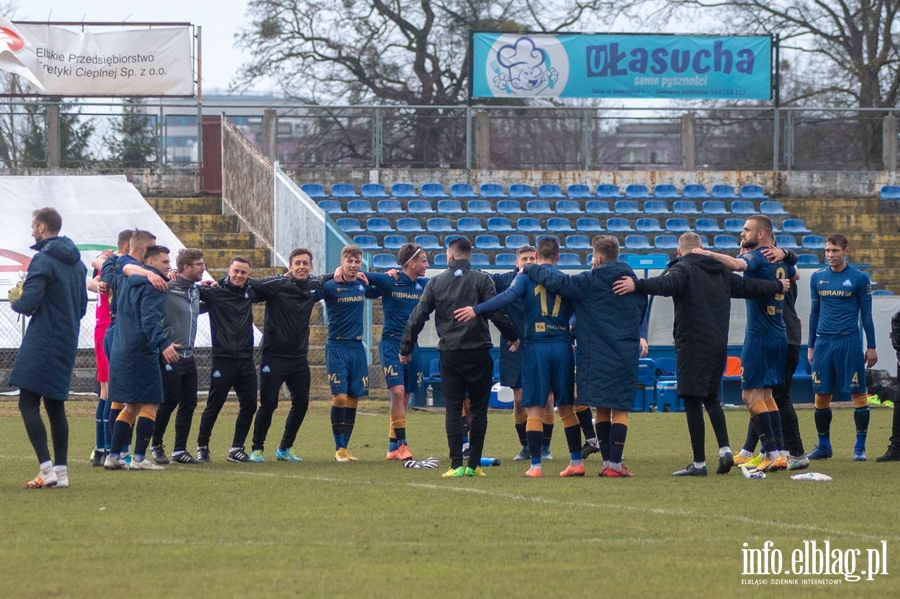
pixel 199 222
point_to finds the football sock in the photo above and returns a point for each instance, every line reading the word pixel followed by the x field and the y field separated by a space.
pixel 121 435
pixel 107 429
pixel 337 426
pixel 603 432
pixel 699 465
pixel 587 427
pixel 723 450
pixel 99 428
pixel 572 431
pixel 777 428
pixel 398 424
pixel 143 431
pixel 548 428
pixel 752 438
pixel 617 435
pixel 349 418
pixel 763 423
pixel 520 417
pixel 115 408
pixel 534 431
pixel 823 426
pixel 861 418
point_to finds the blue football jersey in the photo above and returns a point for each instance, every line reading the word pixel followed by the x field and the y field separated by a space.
pixel 399 297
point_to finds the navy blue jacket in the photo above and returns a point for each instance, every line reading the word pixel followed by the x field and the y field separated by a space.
pixel 55 296
pixel 607 332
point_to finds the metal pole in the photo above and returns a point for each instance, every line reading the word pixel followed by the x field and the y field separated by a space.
pixel 775 142
pixel 378 137
pixel 468 137
pixel 199 98
pixel 586 131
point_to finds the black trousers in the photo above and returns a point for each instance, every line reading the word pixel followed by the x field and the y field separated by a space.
pixel 227 374
pixel 274 372
pixel 179 391
pixel 782 395
pixel 30 407
pixel 466 373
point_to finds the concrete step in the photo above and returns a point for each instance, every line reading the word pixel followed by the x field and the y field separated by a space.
pixel 200 223
pixel 206 241
pixel 259 272
pixel 806 207
pixel 220 258
pixel 825 223
pixel 186 205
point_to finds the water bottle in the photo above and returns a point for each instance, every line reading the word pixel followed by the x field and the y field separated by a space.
pixel 429 396
pixel 486 461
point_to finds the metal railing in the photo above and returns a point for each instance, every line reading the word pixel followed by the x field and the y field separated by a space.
pixel 165 135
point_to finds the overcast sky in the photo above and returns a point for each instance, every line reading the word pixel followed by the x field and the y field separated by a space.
pixel 220 20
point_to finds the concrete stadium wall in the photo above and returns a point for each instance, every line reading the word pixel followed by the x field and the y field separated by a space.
pixel 149 182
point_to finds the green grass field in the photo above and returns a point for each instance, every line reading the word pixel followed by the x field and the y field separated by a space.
pixel 375 529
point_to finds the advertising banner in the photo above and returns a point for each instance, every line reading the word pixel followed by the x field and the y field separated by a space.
pixel 516 65
pixel 130 62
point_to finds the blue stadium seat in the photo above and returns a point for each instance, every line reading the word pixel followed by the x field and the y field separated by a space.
pixel 713 207
pixel 734 225
pixel 403 190
pixel 637 242
pixel 723 192
pixel 656 207
pixel 568 207
pixel 367 243
pixel 509 207
pixel 538 207
pixel 359 207
pixel 529 224
pixel 560 225
pixel 694 191
pixel 491 190
pixel 882 292
pixel 379 225
pixel 439 224
pixel 428 242
pixel 409 225
pixel 488 242
pixel 578 242
pixel 753 191
pixel 677 225
pixel 505 259
pixel 372 190
pixel 389 207
pixel 419 207
pixel 549 190
pixel 666 242
pixel 888 192
pixel 520 190
pixel 577 190
pixel 707 225
pixel 647 225
pixel 440 260
pixel 637 191
pixel 450 207
pixel 743 207
pixel 597 207
pixel 788 242
pixel 343 190
pixel 479 207
pixel 395 242
pixel 588 224
pixel 469 224
pixel 331 206
pixel 449 238
pixel 499 224
pixel 665 191
pixel 618 225
pixel 480 260
pixel 514 242
pixel 725 242
pixel 685 207
pixel 608 191
pixel 794 226
pixel 315 191
pixel 568 260
pixel 385 261
pixel 538 239
pixel 807 260
pixel 772 208
pixel 349 225
pixel 462 190
pixel 627 207
pixel 813 242
pixel 432 190
pixel 704 241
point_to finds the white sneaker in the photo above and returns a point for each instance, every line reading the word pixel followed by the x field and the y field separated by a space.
pixel 46 479
pixel 62 478
pixel 145 464
pixel 113 464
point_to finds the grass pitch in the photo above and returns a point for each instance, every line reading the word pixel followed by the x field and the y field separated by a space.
pixel 375 529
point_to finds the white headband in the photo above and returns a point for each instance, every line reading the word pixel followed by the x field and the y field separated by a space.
pixel 411 258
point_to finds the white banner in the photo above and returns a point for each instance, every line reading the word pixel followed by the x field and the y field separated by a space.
pixel 132 62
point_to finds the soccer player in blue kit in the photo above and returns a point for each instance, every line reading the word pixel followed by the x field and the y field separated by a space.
pixel 765 340
pixel 400 295
pixel 840 297
pixel 548 364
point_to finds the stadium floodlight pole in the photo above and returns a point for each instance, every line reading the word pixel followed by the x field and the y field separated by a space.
pixel 777 97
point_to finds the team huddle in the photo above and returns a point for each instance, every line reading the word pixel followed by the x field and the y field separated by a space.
pixel 148 312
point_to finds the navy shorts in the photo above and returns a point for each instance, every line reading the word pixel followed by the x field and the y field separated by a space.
pixel 548 368
pixel 510 367
pixel 762 361
pixel 395 373
pixel 839 365
pixel 348 371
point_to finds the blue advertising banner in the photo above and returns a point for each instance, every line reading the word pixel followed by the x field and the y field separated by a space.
pixel 514 65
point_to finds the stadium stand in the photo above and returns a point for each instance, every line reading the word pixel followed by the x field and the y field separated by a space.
pixel 420 207
pixel 379 225
pixel 315 191
pixel 597 207
pixel 794 226
pixel 753 191
pixel 743 207
pixel 734 225
pixel 462 190
pixel 439 224
pixel 665 191
pixel 403 190
pixel 695 191
pixel 349 225
pixel 395 242
pixel 450 207
pixel 409 225
pixel 331 206
pixel 666 242
pixel 491 190
pixel 480 260
pixel 550 191
pixel 366 242
pixel 389 207
pixel 509 207
pixel 685 207
pixel 520 190
pixel 677 225
pixel 647 225
pixel 637 242
pixel 469 224
pixel 588 224
pixel 772 208
pixel 608 191
pixel 372 190
pixel 514 242
pixel 723 192
pixel 569 260
pixel 432 190
pixel 538 207
pixel 788 242
pixel 488 242
pixel 725 242
pixel 479 207
pixel 707 225
pixel 385 261
pixel 360 207
pixel 578 242
pixel 637 192
pixel 619 225
pixel 888 192
pixel 577 190
pixel 813 242
pixel 713 207
pixel 499 224
pixel 530 224
pixel 626 207
pixel 656 207
pixel 559 225
pixel 440 260
pixel 568 207
pixel 343 190
pixel 505 259
pixel 428 242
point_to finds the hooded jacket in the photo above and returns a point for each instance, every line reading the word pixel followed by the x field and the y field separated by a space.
pixel 55 296
pixel 230 318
